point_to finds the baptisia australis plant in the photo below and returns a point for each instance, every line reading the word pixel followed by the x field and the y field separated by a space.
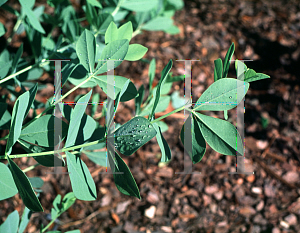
pixel 89 52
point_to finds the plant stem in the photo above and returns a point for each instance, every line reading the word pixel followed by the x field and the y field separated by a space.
pixel 117 8
pixel 55 151
pixel 73 89
pixel 19 21
pixel 49 224
pixel 30 167
pixel 37 164
pixel 168 114
pixel 136 32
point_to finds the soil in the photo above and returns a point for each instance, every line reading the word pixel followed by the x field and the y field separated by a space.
pixel 267 32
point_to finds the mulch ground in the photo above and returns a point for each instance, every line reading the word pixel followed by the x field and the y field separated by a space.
pixel 267 32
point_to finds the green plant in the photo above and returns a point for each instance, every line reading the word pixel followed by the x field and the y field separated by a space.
pixel 106 38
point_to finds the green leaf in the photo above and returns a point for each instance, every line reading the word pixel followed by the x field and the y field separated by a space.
pixel 11 223
pixel 2 29
pixel 120 81
pixel 173 30
pixel 218 69
pixel 34 21
pixel 220 135
pixel 159 23
pixel 68 200
pixel 110 116
pixel 91 14
pixel 236 65
pixel 125 31
pixel 8 187
pixel 133 134
pixel 24 187
pixel 165 73
pixel 251 76
pixel 151 73
pixel 166 88
pixel 83 185
pixel 5 116
pixel 177 100
pixel 36 182
pixel 57 205
pixel 164 147
pixel 198 142
pixel 103 21
pixel 135 52
pixel 227 60
pixel 111 33
pixel 124 181
pixel 178 4
pixel 163 126
pixel 222 95
pixel 85 49
pixel 161 106
pixel 5 63
pixel 139 99
pixel 2 2
pixel 139 5
pixel 76 117
pixel 95 3
pixel 116 50
pixel 41 131
pixel 24 220
pixel 78 74
pixel 20 111
pixel 97 157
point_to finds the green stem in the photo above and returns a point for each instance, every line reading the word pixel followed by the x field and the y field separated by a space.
pixel 55 151
pixel 50 223
pixel 30 167
pixel 117 8
pixel 168 114
pixel 19 21
pixel 37 164
pixel 74 88
pixel 136 32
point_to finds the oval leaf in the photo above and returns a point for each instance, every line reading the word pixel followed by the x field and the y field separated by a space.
pixel 41 131
pixel 124 180
pixel 227 60
pixel 135 52
pixel 20 111
pixel 85 49
pixel 198 149
pixel 164 147
pixel 220 135
pixel 8 187
pixel 24 187
pixel 120 81
pixel 76 117
pixel 133 134
pixel 11 223
pixel 222 95
pixel 83 185
pixel 116 50
pixel 165 73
